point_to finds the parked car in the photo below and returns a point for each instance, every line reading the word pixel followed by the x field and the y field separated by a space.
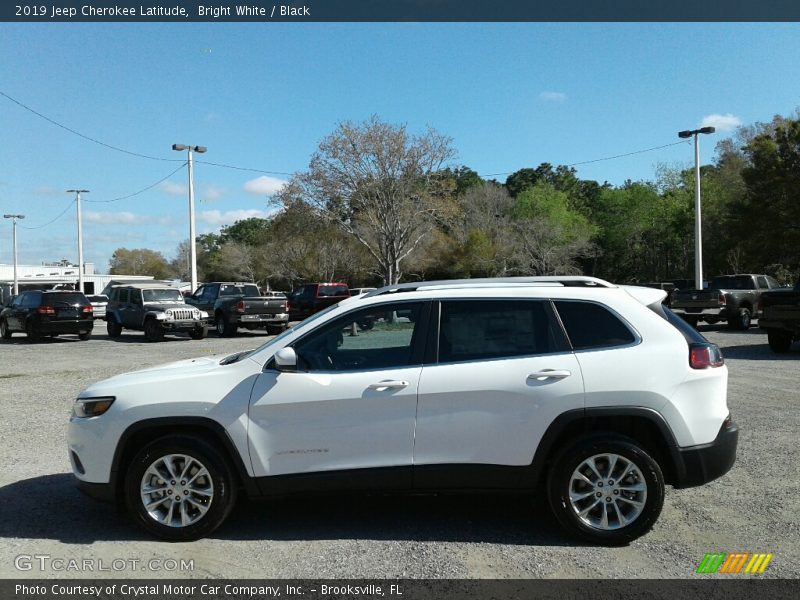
pixel 597 394
pixel 40 312
pixel 232 305
pixel 731 298
pixel 155 309
pixel 313 297
pixel 99 303
pixel 359 291
pixel 780 317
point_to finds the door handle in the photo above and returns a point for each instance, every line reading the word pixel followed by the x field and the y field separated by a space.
pixel 549 374
pixel 388 385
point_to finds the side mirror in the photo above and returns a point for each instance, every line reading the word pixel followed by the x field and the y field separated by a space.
pixel 286 360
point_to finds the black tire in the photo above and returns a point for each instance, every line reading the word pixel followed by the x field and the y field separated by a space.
pixel 221 481
pixel 691 320
pixel 779 341
pixel 741 320
pixel 199 333
pixel 153 332
pixel 113 328
pixel 224 329
pixel 33 334
pixel 5 332
pixel 84 336
pixel 559 485
pixel 276 329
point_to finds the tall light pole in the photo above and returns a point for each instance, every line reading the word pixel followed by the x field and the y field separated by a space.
pixel 698 230
pixel 80 235
pixel 14 219
pixel 192 246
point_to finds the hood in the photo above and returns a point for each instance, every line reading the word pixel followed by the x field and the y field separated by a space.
pixel 166 305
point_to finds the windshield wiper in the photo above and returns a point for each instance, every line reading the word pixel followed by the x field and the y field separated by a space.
pixel 229 360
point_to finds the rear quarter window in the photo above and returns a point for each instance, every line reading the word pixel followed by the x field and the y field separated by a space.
pixel 591 325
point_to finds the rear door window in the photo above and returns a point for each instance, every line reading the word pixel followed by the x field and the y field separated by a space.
pixel 472 330
pixel 591 325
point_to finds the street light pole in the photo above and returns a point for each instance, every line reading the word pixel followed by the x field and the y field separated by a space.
pixel 698 228
pixel 192 243
pixel 80 235
pixel 14 219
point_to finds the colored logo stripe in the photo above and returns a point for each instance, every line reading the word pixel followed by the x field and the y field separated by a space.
pixel 734 563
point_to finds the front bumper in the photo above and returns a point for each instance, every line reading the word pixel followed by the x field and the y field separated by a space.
pixel 697 465
pixel 182 325
pixel 99 491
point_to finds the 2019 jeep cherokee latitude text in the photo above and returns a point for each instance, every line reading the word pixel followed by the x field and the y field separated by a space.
pixel 594 392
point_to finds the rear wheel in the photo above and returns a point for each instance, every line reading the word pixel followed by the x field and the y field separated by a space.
pixel 276 329
pixel 691 320
pixel 84 336
pixel 779 341
pixel 741 320
pixel 153 332
pixel 113 328
pixel 31 331
pixel 5 332
pixel 180 489
pixel 606 489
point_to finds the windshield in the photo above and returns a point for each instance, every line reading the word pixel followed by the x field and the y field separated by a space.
pixel 162 296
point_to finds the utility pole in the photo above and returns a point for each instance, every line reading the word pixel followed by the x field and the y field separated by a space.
pixel 698 230
pixel 80 235
pixel 14 219
pixel 192 243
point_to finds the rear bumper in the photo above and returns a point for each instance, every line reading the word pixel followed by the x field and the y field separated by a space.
pixel 717 313
pixel 697 465
pixel 65 326
pixel 266 319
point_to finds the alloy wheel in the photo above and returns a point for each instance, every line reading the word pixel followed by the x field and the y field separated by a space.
pixel 177 490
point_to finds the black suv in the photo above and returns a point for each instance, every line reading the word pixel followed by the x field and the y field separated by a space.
pixel 52 313
pixel 155 309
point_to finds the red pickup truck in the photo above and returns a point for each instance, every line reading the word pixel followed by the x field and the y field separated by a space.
pixel 313 297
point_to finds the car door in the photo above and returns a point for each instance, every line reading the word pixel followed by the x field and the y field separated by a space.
pixel 350 406
pixel 502 372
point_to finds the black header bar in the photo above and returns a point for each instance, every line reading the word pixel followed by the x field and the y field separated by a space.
pixel 308 11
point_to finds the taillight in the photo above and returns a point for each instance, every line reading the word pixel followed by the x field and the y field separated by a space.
pixel 240 306
pixel 87 309
pixel 721 300
pixel 703 356
pixel 288 305
pixel 46 310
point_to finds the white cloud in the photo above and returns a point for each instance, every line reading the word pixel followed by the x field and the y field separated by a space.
pixel 211 117
pixel 553 96
pixel 264 186
pixel 727 122
pixel 211 192
pixel 47 190
pixel 215 217
pixel 175 189
pixel 114 218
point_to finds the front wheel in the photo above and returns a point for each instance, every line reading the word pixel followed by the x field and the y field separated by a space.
pixel 180 489
pixel 779 341
pixel 606 490
pixel 199 333
pixel 153 332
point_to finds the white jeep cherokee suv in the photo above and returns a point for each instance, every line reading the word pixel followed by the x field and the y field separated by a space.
pixel 595 393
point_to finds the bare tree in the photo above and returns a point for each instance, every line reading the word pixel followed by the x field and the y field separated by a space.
pixel 380 184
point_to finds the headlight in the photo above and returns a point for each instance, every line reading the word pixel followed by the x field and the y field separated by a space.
pixel 203 314
pixel 91 407
pixel 162 316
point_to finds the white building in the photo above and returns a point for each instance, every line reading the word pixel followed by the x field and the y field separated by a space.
pixel 48 275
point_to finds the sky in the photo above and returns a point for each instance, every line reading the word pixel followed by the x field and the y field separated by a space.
pixel 262 96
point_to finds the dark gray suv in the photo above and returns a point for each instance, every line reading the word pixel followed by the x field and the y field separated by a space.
pixel 155 309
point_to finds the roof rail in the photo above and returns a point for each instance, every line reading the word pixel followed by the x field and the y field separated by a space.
pixel 550 280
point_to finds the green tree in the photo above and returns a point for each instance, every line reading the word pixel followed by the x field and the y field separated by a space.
pixel 140 261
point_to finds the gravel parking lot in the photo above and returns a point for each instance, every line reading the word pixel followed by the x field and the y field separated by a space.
pixel 755 508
